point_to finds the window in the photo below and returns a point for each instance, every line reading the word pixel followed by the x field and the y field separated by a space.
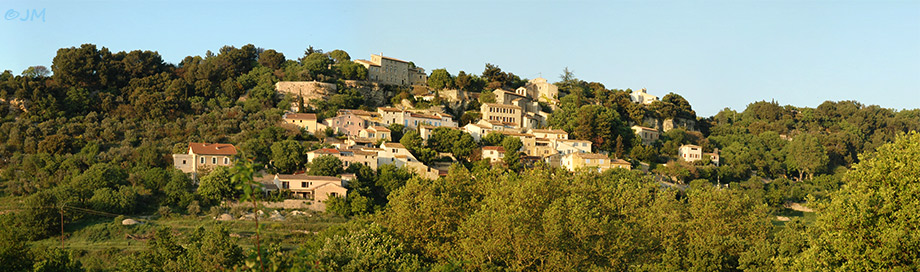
pixel 303 184
pixel 226 160
pixel 587 160
pixel 285 185
pixel 202 160
pixel 183 162
pixel 601 161
pixel 213 160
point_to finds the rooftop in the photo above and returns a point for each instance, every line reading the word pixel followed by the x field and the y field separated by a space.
pixel 590 155
pixel 502 106
pixel 303 116
pixel 393 145
pixel 325 151
pixel 549 131
pixel 212 149
pixel 497 148
pixel 307 177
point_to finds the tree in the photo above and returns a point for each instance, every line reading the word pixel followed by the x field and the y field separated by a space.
pixel 512 157
pixel 396 132
pixel 101 175
pixel 493 74
pixel 14 252
pixel 390 178
pixel 216 251
pixel 352 70
pixel 806 155
pixel 79 67
pixel 217 185
pixel 442 139
pixel 464 146
pixel 412 140
pixel 243 175
pixel 325 166
pixel 568 81
pixel 288 156
pixel 271 59
pixel 57 260
pixel 362 246
pixel 55 145
pixel 339 55
pixel 870 223
pixel 463 81
pixel 41 217
pixel 493 138
pixel 36 71
pixel 178 189
pixel 440 79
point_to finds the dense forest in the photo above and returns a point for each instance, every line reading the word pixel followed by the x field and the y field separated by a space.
pixel 88 142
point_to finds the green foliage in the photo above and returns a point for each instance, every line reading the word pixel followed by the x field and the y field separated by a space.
pixel 14 252
pixel 362 246
pixel 325 166
pixel 216 186
pixel 179 189
pixel 56 260
pixel 413 141
pixel 101 175
pixel 453 141
pixel 867 225
pixel 805 154
pixel 206 249
pixel 493 138
pixel 123 200
pixel 440 79
pixel 41 217
pixel 396 132
pixel 288 156
pixel 598 124
pixel 512 156
pixel 271 59
pixel 644 153
pixel 390 178
pixel 548 219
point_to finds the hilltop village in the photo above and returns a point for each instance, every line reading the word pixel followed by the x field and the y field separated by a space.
pixel 247 159
pixel 397 134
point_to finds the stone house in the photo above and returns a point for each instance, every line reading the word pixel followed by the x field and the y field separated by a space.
pixel 318 188
pixel 494 154
pixel 646 134
pixel 391 71
pixel 306 121
pixel 204 155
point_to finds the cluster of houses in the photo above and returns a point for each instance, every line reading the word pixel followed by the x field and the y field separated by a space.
pixel 367 140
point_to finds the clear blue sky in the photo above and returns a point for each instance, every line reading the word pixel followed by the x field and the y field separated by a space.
pixel 715 53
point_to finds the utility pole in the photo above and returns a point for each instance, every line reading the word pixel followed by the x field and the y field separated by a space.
pixel 62 226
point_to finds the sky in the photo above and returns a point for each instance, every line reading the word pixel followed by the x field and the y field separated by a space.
pixel 716 54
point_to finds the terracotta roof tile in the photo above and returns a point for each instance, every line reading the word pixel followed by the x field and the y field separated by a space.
pixel 305 116
pixel 212 149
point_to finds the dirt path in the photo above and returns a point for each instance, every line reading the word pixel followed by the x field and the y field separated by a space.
pixel 798 207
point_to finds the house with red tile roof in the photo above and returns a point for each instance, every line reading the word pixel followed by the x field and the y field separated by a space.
pixel 204 155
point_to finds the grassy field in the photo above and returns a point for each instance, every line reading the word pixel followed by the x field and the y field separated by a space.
pixel 807 217
pixel 100 241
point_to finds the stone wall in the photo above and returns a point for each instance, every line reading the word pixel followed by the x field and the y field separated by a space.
pixel 374 93
pixel 287 204
pixel 307 89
